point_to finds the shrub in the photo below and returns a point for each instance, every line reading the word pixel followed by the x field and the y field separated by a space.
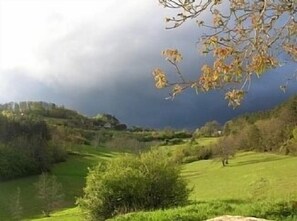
pixel 191 153
pixel 283 210
pixel 49 193
pixel 131 183
pixel 174 141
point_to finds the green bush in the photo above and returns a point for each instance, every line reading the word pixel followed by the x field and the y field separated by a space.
pixel 174 141
pixel 191 153
pixel 15 163
pixel 284 210
pixel 131 183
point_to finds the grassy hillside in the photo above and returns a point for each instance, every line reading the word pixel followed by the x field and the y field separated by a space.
pixel 71 174
pixel 239 179
pixel 251 181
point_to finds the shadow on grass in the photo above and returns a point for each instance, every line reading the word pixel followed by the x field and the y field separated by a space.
pixel 189 174
pixel 84 154
pixel 225 201
pixel 235 201
pixel 255 161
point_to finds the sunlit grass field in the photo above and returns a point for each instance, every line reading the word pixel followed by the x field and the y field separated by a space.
pixel 250 177
pixel 238 180
pixel 253 184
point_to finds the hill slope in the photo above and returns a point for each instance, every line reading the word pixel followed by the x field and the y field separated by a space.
pixel 59 115
pixel 250 184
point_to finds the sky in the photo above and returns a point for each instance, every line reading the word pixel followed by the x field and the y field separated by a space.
pixel 97 56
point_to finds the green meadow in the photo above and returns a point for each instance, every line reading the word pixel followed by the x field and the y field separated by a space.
pixel 238 180
pixel 250 181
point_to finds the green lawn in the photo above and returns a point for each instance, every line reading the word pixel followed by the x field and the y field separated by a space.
pixel 237 181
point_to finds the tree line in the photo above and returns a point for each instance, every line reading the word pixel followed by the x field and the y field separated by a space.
pixel 26 147
pixel 266 131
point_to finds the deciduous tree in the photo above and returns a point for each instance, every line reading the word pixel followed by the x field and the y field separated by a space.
pixel 49 192
pixel 15 206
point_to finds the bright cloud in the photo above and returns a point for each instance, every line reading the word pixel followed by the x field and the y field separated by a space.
pixel 74 43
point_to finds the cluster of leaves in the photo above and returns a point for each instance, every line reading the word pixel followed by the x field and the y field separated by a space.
pixel 130 183
pixel 245 37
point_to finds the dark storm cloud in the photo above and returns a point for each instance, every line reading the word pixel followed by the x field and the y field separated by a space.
pixel 90 57
pixel 96 68
pixel 137 102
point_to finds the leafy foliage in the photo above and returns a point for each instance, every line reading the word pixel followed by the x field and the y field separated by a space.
pixel 246 38
pixel 129 183
pixel 225 148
